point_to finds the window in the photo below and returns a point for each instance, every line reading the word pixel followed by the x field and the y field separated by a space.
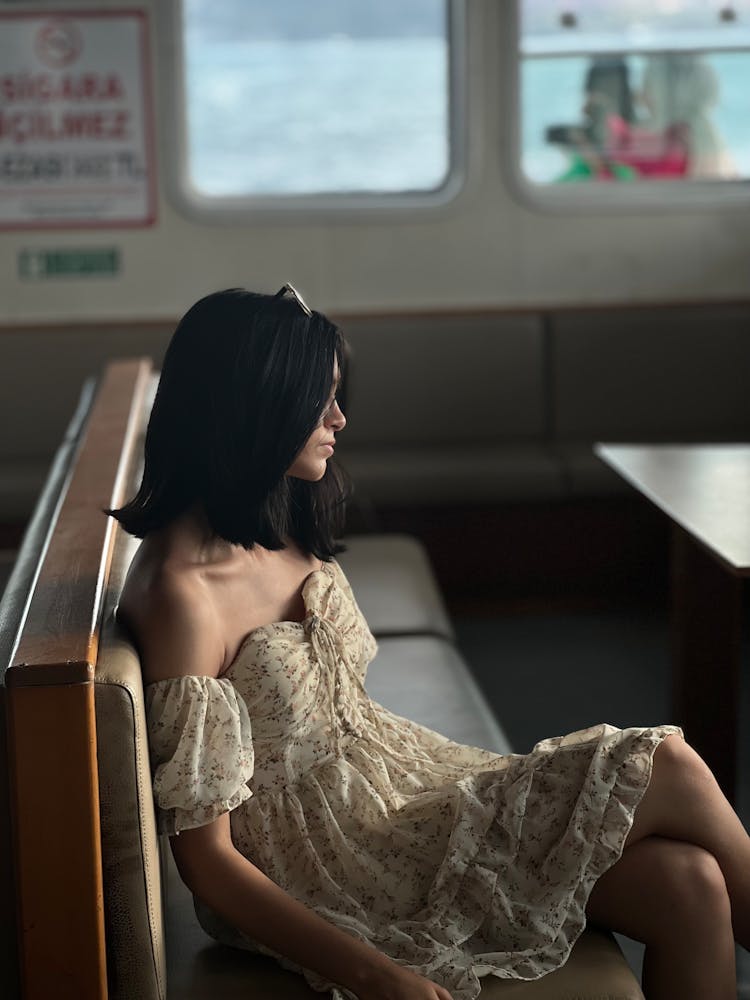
pixel 353 101
pixel 634 92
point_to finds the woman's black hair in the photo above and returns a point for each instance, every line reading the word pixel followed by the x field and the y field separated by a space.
pixel 245 381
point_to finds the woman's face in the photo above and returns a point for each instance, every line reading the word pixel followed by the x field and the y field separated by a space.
pixel 310 462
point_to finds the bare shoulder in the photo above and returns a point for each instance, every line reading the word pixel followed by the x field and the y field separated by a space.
pixel 175 625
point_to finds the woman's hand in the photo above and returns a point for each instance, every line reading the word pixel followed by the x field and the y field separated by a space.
pixel 397 983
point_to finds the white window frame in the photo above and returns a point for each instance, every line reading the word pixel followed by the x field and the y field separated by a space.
pixel 598 198
pixel 295 208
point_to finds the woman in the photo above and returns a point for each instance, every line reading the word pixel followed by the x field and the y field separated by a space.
pixel 310 823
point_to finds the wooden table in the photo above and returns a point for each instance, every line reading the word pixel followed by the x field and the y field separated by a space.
pixel 705 491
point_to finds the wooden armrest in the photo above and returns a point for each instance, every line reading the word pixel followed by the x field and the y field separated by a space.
pixel 50 707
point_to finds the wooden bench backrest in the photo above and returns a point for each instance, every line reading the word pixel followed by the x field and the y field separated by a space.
pixel 52 760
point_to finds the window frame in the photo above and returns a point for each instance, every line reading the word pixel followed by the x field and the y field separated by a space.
pixel 241 209
pixel 599 198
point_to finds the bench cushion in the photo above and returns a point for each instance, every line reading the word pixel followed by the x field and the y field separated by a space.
pixel 424 678
pixel 426 379
pixel 433 475
pixel 394 585
pixel 133 886
pixel 651 374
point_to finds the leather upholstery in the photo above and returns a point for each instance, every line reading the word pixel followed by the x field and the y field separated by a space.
pixel 424 678
pixel 432 475
pixel 395 587
pixel 436 380
pixel 134 913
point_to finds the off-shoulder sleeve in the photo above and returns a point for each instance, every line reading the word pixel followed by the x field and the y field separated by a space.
pixel 200 743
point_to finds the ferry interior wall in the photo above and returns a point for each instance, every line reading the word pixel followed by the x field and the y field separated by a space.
pixel 502 321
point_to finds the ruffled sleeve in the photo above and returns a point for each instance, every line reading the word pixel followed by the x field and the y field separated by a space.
pixel 200 742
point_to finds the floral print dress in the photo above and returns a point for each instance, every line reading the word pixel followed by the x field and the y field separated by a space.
pixel 452 860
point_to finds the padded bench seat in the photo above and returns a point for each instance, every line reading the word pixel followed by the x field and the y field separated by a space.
pixel 424 678
pixel 395 587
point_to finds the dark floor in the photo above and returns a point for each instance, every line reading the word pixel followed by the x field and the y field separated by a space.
pixel 547 672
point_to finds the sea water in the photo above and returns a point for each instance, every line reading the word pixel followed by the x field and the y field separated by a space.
pixel 343 114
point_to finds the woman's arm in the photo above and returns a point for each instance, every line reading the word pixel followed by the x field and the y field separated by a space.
pixel 216 872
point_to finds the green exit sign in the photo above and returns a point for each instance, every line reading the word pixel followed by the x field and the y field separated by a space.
pixel 92 262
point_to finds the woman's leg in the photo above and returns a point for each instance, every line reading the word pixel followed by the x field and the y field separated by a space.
pixel 682 884
pixel 672 896
pixel 684 802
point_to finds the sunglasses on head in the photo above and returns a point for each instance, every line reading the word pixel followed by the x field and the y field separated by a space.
pixel 289 291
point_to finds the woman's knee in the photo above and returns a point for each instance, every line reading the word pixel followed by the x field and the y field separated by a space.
pixel 695 886
pixel 662 888
pixel 681 783
pixel 676 760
